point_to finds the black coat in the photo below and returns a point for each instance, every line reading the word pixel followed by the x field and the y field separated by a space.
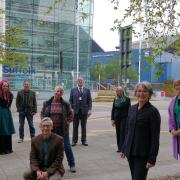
pixel 118 113
pixel 143 132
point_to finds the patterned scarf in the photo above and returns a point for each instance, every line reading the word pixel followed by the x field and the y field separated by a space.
pixel 119 101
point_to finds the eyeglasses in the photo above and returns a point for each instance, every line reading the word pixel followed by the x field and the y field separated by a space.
pixel 141 91
pixel 5 86
pixel 46 126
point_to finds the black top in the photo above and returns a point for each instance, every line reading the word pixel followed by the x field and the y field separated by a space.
pixel 143 131
pixel 119 112
pixel 25 100
pixel 6 103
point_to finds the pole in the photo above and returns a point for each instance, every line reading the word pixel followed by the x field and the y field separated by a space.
pixel 139 63
pixel 77 41
pixel 120 57
pixel 141 27
pixel 2 30
pixel 99 80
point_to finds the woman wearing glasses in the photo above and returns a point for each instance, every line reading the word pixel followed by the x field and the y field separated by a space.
pixel 6 121
pixel 141 143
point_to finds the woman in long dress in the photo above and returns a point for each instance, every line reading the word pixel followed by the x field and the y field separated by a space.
pixel 6 120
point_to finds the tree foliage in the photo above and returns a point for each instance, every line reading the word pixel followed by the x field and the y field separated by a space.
pixel 159 18
pixel 159 22
pixel 97 71
pixel 10 41
pixel 111 71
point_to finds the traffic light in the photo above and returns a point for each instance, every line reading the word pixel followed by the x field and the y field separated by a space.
pixel 125 50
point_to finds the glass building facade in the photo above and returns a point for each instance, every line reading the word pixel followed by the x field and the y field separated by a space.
pixel 56 37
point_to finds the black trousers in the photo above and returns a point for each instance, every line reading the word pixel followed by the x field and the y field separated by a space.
pixel 138 168
pixel 77 118
pixel 5 143
pixel 120 132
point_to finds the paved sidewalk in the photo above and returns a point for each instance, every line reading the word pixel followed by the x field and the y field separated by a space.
pixel 98 161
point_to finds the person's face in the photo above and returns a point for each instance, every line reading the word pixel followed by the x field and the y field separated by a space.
pixel 26 86
pixel 119 92
pixel 5 87
pixel 80 82
pixel 46 129
pixel 142 94
pixel 58 93
pixel 177 88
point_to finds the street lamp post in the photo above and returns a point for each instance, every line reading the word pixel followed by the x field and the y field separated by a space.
pixel 119 61
pixel 77 41
pixel 139 60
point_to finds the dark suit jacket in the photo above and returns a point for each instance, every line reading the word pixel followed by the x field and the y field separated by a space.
pixel 55 154
pixel 143 130
pixel 86 100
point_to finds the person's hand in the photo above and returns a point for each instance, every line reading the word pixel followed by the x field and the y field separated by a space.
pixel 33 113
pixel 89 113
pixel 39 175
pixel 149 165
pixel 175 132
pixel 122 155
pixel 113 123
pixel 45 175
pixel 178 132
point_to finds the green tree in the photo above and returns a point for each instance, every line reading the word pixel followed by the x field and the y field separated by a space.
pixel 98 72
pixel 10 41
pixel 159 21
pixel 132 73
pixel 111 71
pixel 159 18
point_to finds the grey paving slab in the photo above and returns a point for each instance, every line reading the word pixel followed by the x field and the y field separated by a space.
pixel 98 161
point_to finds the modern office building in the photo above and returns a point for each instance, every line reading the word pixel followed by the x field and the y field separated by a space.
pixel 57 41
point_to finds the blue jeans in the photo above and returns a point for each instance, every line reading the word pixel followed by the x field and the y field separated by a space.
pixel 67 145
pixel 29 117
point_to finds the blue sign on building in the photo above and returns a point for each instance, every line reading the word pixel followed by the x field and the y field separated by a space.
pixel 18 70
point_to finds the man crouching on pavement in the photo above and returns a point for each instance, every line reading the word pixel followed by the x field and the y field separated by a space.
pixel 46 156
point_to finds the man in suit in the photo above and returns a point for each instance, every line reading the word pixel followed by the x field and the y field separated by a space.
pixel 46 154
pixel 81 102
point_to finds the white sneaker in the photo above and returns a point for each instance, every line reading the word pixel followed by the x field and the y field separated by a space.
pixel 20 140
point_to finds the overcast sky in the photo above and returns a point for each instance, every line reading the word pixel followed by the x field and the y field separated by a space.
pixel 104 16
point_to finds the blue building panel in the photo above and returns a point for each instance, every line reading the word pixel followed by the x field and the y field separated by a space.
pixel 175 67
pixel 169 64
